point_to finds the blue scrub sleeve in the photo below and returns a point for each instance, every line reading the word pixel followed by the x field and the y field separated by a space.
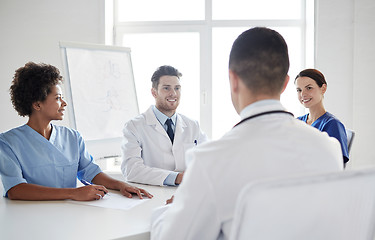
pixel 87 169
pixel 336 129
pixel 10 169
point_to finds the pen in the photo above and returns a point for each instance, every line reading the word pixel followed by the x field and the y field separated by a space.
pixel 85 182
pixel 88 183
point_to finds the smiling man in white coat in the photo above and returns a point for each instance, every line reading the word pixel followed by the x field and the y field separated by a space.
pixel 268 142
pixel 155 142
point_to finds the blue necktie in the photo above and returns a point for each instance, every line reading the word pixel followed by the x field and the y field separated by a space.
pixel 169 129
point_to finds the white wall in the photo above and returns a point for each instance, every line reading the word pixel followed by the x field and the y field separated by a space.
pixel 345 53
pixel 363 80
pixel 31 31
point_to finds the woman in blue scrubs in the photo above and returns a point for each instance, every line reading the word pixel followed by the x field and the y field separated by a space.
pixel 311 86
pixel 40 160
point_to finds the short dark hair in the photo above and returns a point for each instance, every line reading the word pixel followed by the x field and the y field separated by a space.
pixel 32 83
pixel 259 56
pixel 165 70
pixel 314 74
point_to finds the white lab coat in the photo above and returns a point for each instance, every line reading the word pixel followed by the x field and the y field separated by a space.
pixel 269 146
pixel 148 154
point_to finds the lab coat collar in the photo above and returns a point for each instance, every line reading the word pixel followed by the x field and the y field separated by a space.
pixel 162 117
pixel 261 106
pixel 153 121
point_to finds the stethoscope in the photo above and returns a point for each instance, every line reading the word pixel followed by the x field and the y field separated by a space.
pixel 261 114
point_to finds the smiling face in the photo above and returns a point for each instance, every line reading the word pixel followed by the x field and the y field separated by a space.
pixel 308 92
pixel 167 95
pixel 53 107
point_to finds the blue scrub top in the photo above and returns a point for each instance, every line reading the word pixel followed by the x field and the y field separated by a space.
pixel 330 124
pixel 28 157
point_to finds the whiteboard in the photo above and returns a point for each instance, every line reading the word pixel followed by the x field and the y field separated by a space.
pixel 100 90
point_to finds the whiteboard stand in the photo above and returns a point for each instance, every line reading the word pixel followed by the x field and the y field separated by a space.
pixel 100 92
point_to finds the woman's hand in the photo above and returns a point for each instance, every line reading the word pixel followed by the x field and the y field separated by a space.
pixel 124 188
pixel 127 191
pixel 89 193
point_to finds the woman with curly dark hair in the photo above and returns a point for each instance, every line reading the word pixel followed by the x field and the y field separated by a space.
pixel 40 160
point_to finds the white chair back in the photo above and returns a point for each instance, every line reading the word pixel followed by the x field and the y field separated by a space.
pixel 336 206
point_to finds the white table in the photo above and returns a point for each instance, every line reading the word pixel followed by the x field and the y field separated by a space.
pixel 66 220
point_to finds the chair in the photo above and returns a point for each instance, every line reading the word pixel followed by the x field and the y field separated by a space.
pixel 332 206
pixel 350 136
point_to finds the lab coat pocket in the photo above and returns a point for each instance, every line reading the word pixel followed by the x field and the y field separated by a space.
pixel 187 146
pixel 180 156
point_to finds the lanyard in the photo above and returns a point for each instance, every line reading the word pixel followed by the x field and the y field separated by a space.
pixel 263 113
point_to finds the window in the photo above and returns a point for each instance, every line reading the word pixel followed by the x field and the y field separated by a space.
pixel 160 10
pixel 256 10
pixel 195 36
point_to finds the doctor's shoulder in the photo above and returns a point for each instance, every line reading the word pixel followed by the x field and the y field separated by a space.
pixel 135 128
pixel 135 122
pixel 313 135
